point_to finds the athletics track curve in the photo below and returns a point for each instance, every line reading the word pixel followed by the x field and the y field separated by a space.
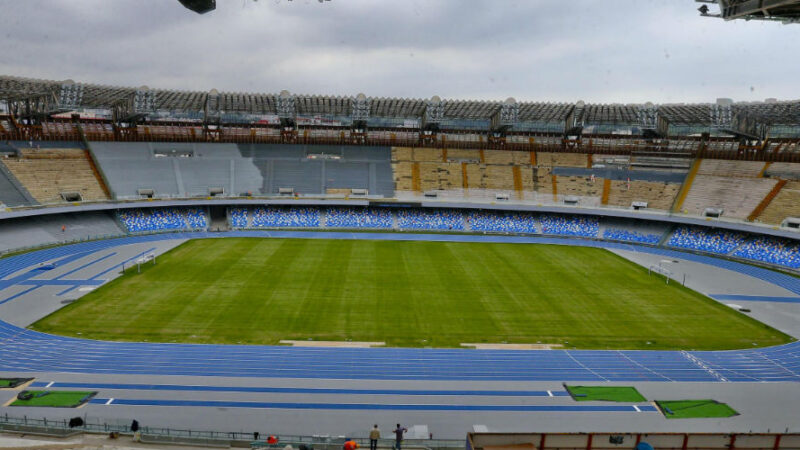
pixel 24 350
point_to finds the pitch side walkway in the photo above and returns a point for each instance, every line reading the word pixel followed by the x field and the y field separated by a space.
pixel 23 350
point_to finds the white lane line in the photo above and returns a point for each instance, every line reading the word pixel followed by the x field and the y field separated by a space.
pixel 50 384
pixel 634 407
pixel 550 393
pixel 109 401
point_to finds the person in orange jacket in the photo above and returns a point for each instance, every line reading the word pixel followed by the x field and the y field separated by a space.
pixel 350 444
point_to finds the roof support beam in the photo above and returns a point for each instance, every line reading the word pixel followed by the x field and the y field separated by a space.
pixel 503 120
pixel 127 113
pixel 741 9
pixel 431 119
pixel 360 116
pixel 575 120
pixel 285 104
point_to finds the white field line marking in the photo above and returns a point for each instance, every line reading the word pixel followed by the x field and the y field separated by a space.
pixel 109 401
pixel 50 384
pixel 637 408
pixel 550 393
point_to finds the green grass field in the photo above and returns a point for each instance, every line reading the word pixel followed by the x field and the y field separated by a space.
pixel 695 409
pixel 416 294
pixel 605 394
pixel 55 399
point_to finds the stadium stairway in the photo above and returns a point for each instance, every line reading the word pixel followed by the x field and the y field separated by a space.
pixel 687 185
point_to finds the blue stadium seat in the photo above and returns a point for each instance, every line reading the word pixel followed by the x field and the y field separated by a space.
pixel 430 219
pixel 238 217
pixel 705 239
pixel 585 226
pixel 160 219
pixel 772 250
pixel 289 217
pixel 358 218
pixel 502 222
pixel 630 236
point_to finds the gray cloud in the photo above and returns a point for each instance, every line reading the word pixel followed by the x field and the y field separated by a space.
pixel 620 51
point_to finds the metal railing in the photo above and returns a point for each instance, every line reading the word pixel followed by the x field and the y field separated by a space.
pixel 60 428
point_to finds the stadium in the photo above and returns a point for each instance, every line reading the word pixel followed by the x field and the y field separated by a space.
pixel 244 269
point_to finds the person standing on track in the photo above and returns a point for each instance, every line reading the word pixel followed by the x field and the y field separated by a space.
pixel 398 436
pixel 374 435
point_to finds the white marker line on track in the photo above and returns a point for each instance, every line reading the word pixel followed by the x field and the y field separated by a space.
pixel 111 400
pixel 50 384
pixel 550 393
pixel 634 407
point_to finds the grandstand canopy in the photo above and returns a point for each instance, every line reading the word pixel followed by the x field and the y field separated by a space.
pixel 146 100
pixel 786 11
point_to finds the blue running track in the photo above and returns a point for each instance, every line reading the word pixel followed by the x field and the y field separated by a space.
pixel 24 350
pixel 373 406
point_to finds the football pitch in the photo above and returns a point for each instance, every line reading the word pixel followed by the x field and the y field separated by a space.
pixel 409 294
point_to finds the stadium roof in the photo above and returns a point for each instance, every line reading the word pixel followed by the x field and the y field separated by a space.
pixel 786 11
pixel 94 96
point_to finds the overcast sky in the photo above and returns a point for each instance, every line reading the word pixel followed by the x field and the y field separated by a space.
pixel 612 51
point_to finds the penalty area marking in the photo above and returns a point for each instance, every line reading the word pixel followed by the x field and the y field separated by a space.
pixel 339 344
pixel 484 346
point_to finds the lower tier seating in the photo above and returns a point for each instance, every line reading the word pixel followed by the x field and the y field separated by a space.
pixel 160 219
pixel 502 222
pixel 705 239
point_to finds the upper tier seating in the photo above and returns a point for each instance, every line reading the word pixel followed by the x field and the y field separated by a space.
pixel 736 169
pixel 430 219
pixel 47 173
pixel 576 186
pixel 545 159
pixel 358 218
pixel 159 219
pixel 785 204
pixel 502 221
pixel 11 191
pixel 737 197
pixel 789 171
pixel 772 250
pixel 462 172
pixel 658 195
pixel 705 239
pixel 570 225
pixel 290 217
pixel 195 170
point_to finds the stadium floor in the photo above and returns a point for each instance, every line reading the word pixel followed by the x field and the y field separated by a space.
pixel 32 351
pixel 343 391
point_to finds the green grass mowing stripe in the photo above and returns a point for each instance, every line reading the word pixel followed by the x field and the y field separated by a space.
pixel 55 399
pixel 695 409
pixel 605 393
pixel 408 294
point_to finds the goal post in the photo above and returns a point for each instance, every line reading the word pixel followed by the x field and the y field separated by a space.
pixel 144 259
pixel 666 273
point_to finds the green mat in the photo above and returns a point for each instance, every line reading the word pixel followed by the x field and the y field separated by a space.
pixel 605 394
pixel 13 382
pixel 55 399
pixel 694 409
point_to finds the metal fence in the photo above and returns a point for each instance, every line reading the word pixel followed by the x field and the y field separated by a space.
pixel 60 428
